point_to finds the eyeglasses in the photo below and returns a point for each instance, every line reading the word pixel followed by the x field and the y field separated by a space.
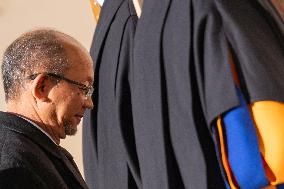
pixel 88 90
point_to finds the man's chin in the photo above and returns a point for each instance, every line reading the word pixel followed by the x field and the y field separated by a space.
pixel 71 131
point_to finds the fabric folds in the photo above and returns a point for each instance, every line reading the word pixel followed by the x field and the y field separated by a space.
pixel 110 159
pixel 161 86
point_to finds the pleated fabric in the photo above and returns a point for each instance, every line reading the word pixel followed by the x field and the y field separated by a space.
pixel 161 87
pixel 182 82
pixel 110 159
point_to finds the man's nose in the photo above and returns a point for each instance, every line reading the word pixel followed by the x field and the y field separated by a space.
pixel 89 103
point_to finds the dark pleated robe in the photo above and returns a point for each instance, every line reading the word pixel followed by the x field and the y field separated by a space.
pixel 110 159
pixel 174 87
pixel 182 81
pixel 274 13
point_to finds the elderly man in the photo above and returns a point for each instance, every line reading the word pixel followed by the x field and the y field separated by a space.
pixel 48 80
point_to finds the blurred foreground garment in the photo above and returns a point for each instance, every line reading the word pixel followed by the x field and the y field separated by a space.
pixel 109 147
pixel 177 83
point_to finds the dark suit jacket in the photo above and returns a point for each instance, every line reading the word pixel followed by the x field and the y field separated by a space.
pixel 30 160
pixel 110 159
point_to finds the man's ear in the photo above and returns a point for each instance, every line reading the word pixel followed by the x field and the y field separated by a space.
pixel 41 87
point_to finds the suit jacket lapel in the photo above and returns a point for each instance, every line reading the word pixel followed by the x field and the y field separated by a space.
pixel 69 162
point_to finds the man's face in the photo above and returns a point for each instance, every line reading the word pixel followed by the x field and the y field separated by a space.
pixel 69 101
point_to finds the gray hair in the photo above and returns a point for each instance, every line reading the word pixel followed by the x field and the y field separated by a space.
pixel 37 50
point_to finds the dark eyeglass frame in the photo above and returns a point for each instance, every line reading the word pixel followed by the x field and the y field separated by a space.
pixel 88 90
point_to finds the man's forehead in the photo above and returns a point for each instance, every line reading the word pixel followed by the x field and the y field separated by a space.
pixel 79 59
pixel 81 69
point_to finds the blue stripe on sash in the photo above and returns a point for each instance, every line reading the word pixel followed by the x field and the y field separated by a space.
pixel 242 145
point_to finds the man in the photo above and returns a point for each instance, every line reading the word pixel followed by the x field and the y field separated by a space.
pixel 48 79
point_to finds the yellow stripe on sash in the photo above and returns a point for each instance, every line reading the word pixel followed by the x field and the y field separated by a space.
pixel 224 158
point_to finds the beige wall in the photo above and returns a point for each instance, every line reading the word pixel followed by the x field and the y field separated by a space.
pixel 73 17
